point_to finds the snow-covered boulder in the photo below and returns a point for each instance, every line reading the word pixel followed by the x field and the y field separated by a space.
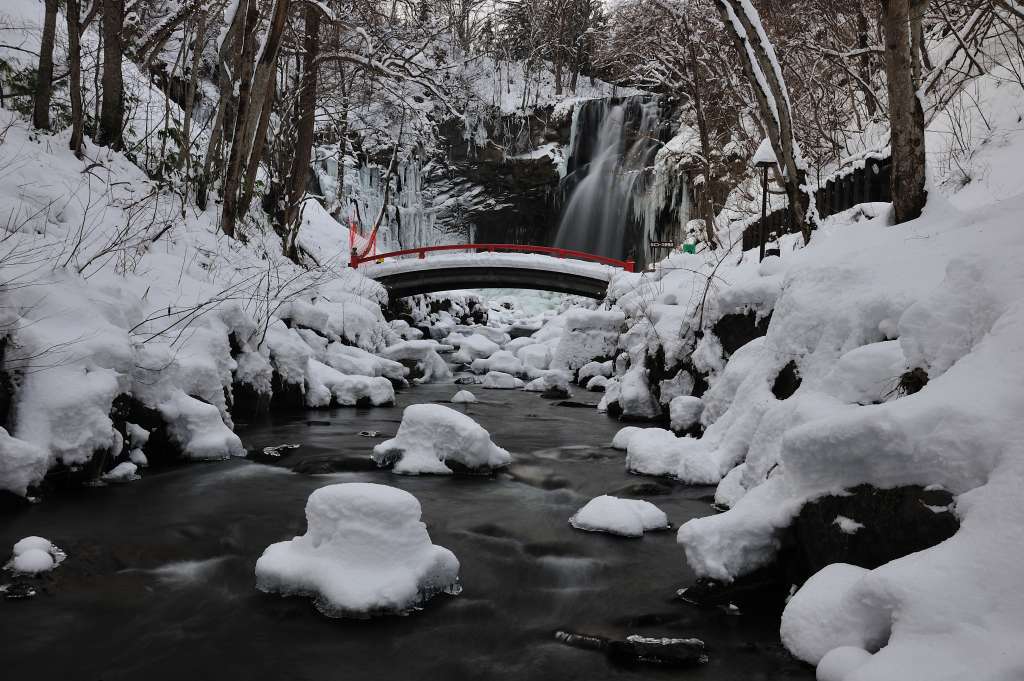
pixel 126 471
pixel 593 369
pixel 588 335
pixel 21 464
pixel 554 383
pixel 498 380
pixel 829 612
pixel 496 336
pixel 424 353
pixel 653 451
pixel 597 384
pixel 326 386
pixel 365 552
pixel 502 360
pixel 355 361
pixel 622 438
pixel 404 331
pixel 432 434
pixel 33 555
pixel 625 517
pixel 535 355
pixel 684 412
pixel 472 346
pixel 463 397
pixel 197 427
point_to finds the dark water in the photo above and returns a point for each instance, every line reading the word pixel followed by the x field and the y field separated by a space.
pixel 159 579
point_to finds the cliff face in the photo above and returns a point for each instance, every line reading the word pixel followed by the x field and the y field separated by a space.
pixel 511 179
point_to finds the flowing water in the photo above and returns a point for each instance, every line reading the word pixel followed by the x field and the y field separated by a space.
pixel 159 582
pixel 617 203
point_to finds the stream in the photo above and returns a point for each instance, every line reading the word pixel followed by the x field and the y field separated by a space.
pixel 159 584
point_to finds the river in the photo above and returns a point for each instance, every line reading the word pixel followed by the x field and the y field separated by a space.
pixel 159 582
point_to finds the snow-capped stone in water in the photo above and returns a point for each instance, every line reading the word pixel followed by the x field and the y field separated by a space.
pixel 33 542
pixel 597 384
pixel 33 555
pixel 122 472
pixel 463 397
pixel 365 552
pixel 625 517
pixel 498 380
pixel 502 360
pixel 33 562
pixel 621 439
pixel 473 346
pixel 829 611
pixel 431 434
pixel 138 457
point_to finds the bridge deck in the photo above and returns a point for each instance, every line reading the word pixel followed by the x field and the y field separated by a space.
pixel 523 261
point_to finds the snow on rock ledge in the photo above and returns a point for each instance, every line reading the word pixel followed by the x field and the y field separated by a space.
pixel 198 429
pixel 624 517
pixel 431 435
pixel 365 552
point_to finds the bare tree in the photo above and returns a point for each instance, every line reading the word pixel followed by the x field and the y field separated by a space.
pixel 112 113
pixel 44 75
pixel 906 116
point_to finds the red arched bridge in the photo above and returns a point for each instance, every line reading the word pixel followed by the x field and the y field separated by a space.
pixel 457 266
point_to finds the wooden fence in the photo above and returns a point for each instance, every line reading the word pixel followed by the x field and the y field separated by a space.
pixel 864 185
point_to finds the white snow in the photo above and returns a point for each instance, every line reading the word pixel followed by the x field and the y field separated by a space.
pixel 622 438
pixel 425 354
pixel 847 525
pixel 588 335
pixel 685 411
pixel 197 427
pixel 33 542
pixel 502 361
pixel 431 434
pixel 365 552
pixel 326 387
pixel 625 517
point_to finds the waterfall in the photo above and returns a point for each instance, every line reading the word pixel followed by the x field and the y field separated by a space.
pixel 618 204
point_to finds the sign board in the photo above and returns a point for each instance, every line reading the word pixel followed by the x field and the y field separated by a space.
pixel 663 244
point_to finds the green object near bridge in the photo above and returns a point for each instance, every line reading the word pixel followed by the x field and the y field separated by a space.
pixel 689 248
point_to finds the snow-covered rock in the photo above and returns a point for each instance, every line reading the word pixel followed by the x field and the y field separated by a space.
pixel 587 336
pixel 594 369
pixel 21 463
pixel 502 360
pixel 534 355
pixel 684 412
pixel 326 386
pixel 622 438
pixel 197 427
pixel 625 517
pixel 472 346
pixel 498 380
pixel 365 552
pixel 430 435
pixel 597 384
pixel 33 555
pixel 463 397
pixel 125 471
pixel 830 611
pixel 425 354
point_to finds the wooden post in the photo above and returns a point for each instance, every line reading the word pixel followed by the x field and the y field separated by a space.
pixel 764 207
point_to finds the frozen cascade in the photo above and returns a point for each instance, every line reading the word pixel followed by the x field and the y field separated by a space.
pixel 618 202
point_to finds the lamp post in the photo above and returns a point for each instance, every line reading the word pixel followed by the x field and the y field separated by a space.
pixel 764 158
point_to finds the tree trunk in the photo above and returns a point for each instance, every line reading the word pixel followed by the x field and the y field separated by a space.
pixel 227 76
pixel 190 92
pixel 44 75
pixel 759 68
pixel 696 86
pixel 112 113
pixel 906 117
pixel 73 11
pixel 305 119
pixel 232 174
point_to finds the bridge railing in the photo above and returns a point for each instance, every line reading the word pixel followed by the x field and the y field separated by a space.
pixel 421 253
